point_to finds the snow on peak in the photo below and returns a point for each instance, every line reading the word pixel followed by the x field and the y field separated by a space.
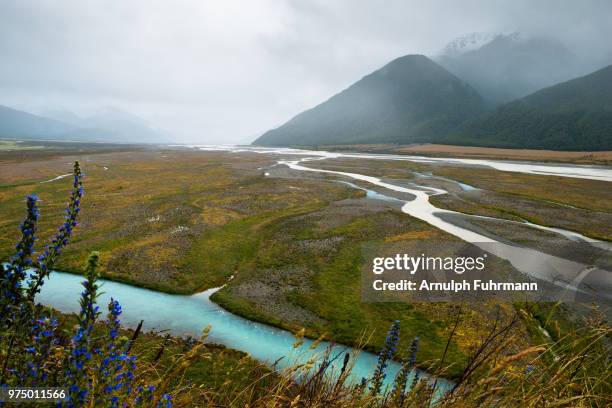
pixel 472 41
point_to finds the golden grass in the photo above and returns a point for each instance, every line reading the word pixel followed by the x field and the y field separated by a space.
pixel 233 220
pixel 424 234
pixel 588 194
pixel 590 157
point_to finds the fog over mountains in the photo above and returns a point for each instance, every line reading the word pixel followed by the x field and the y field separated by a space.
pixel 226 72
pixel 108 125
pixel 480 89
pixel 410 98
pixel 18 124
pixel 572 115
pixel 509 66
pixel 470 94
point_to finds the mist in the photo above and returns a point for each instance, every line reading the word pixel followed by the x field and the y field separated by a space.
pixel 225 72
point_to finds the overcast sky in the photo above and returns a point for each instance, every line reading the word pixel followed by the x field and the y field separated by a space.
pixel 226 71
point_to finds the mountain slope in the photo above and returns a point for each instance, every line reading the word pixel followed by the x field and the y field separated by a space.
pixel 410 99
pixel 573 115
pixel 63 115
pixel 512 66
pixel 18 124
pixel 113 124
pixel 109 125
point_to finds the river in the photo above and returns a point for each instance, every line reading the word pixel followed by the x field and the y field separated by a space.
pixel 188 315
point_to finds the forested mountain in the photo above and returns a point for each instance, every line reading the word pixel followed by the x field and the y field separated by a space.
pixel 411 99
pixel 573 115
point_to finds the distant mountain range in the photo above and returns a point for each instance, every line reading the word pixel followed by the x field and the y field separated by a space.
pixel 497 90
pixel 18 124
pixel 416 100
pixel 109 125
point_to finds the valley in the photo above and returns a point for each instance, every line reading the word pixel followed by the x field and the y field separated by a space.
pixel 441 150
pixel 286 242
pixel 306 204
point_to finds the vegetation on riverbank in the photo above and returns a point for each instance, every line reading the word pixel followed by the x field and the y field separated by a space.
pixel 579 205
pixel 307 273
pixel 152 212
pixel 101 364
pixel 183 221
pixel 473 152
pixel 583 206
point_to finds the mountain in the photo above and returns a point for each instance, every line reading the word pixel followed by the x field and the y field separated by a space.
pixel 509 66
pixel 108 125
pixel 411 99
pixel 113 124
pixel 468 42
pixel 62 115
pixel 18 124
pixel 573 115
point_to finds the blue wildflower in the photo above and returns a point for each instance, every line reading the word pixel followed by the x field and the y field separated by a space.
pixel 61 238
pixel 386 353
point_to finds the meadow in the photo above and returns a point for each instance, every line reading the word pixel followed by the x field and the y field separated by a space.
pixel 288 247
pixel 97 362
pixel 476 152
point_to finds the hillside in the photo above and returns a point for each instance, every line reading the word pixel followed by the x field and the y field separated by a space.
pixel 574 115
pixel 411 99
pixel 18 124
pixel 115 125
pixel 506 67
pixel 108 125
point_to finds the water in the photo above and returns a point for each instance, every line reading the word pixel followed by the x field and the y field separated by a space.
pixel 571 277
pixel 464 186
pixel 56 178
pixel 561 170
pixel 567 275
pixel 189 315
pixel 375 195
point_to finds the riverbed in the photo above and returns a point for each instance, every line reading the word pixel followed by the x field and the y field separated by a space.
pixel 188 315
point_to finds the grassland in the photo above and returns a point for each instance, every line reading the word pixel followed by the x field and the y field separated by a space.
pixel 182 221
pixel 308 274
pixel 595 157
pixel 160 219
pixel 12 145
pixel 441 150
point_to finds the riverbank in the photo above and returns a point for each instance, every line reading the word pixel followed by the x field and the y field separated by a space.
pixel 579 205
pixel 474 152
pixel 187 316
pixel 182 221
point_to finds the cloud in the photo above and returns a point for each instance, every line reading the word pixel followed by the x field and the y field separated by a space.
pixel 214 72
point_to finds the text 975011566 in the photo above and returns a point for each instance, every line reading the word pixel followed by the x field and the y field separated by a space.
pixel 32 394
